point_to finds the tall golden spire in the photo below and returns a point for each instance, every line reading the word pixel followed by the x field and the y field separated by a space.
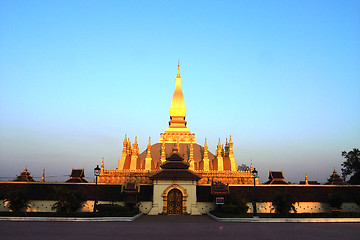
pixel 178 103
pixel 177 128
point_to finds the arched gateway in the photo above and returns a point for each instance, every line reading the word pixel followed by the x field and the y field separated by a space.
pixel 174 199
pixel 174 202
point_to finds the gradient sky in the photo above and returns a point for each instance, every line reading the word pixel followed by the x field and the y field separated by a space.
pixel 282 77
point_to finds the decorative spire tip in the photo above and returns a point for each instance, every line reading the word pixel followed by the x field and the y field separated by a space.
pixel 178 74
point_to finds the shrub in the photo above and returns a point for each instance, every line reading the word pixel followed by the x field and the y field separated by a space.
pixel 237 207
pixel 241 204
pixel 17 201
pixel 283 203
pixel 69 200
pixel 229 208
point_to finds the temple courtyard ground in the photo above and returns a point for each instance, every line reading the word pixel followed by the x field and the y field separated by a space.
pixel 175 227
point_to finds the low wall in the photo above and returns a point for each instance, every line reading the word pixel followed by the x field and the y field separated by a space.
pixel 88 206
pixel 305 207
pixel 301 193
pixel 203 207
pixel 310 199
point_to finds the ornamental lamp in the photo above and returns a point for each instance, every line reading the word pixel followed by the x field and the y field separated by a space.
pixel 255 173
pixel 97 171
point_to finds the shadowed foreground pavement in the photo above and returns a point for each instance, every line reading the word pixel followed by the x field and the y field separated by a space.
pixel 177 227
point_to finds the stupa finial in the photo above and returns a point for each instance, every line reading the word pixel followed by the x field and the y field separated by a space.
pixel 178 74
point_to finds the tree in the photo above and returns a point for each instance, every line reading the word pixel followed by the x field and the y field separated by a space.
pixel 351 166
pixel 17 201
pixel 283 203
pixel 69 200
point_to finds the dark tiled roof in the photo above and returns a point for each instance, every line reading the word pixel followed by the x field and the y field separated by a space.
pixel 275 181
pixel 175 168
pixel 175 165
pixel 24 177
pixel 276 174
pixel 276 177
pixel 76 180
pixel 175 157
pixel 175 174
pixel 77 173
pixel 77 176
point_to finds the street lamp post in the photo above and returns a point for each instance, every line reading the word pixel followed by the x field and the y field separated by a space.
pixel 96 173
pixel 254 175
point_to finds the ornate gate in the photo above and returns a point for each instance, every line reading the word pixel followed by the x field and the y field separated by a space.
pixel 174 202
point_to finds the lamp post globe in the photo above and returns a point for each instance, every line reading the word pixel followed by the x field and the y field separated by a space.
pixel 96 173
pixel 254 175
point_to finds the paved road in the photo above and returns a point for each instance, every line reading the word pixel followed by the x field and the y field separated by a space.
pixel 176 227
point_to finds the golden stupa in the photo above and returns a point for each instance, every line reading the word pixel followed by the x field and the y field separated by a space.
pixel 134 166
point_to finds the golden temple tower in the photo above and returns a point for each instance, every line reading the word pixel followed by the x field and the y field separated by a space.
pixel 177 137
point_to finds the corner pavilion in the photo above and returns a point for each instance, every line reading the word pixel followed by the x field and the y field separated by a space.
pixel 176 164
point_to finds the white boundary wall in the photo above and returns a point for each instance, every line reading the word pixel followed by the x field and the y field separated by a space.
pixel 203 207
pixel 305 207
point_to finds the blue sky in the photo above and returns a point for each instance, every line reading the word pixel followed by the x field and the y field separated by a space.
pixel 282 77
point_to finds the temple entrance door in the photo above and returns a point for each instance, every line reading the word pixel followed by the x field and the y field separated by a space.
pixel 174 202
